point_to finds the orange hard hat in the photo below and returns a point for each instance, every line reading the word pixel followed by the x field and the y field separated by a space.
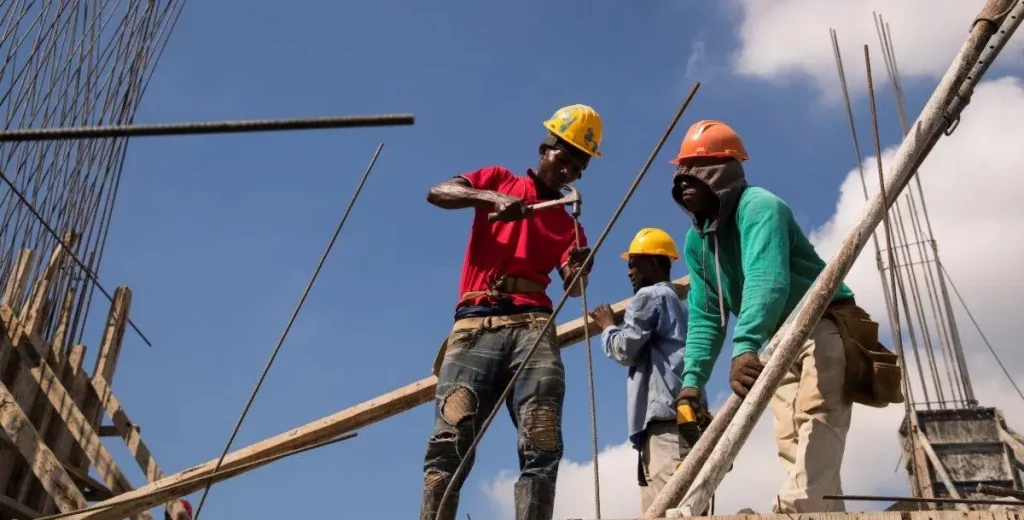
pixel 710 138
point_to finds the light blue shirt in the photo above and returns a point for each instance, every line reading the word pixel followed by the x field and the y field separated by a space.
pixel 651 342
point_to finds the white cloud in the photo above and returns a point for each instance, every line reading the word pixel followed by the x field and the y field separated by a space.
pixel 620 497
pixel 780 40
pixel 972 181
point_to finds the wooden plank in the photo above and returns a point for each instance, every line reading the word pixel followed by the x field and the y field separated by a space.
pixel 133 439
pixel 14 291
pixel 940 469
pixel 63 323
pixel 78 424
pixel 43 462
pixel 63 441
pixel 113 336
pixel 33 316
pixel 359 416
pixel 12 296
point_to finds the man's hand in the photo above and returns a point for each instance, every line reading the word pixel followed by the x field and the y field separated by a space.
pixel 509 208
pixel 576 258
pixel 603 316
pixel 693 396
pixel 744 371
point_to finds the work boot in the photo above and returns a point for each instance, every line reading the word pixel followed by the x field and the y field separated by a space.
pixel 535 499
pixel 432 500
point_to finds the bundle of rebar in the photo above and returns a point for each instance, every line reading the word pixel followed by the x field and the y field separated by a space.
pixel 69 63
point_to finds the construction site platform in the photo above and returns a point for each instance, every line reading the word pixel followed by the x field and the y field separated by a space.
pixel 877 515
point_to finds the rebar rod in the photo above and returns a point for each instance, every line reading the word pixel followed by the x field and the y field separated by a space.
pixel 205 127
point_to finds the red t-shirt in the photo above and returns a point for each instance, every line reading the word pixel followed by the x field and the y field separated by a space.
pixel 530 248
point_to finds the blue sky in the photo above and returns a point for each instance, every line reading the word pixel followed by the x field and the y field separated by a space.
pixel 217 235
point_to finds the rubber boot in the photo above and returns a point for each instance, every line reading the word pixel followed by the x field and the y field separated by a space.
pixel 535 499
pixel 432 500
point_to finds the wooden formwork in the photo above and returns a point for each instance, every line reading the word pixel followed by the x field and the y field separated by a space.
pixel 956 450
pixel 52 409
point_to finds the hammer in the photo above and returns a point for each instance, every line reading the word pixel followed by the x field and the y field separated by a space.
pixel 572 199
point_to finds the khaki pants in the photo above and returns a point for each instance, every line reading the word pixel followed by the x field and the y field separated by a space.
pixel 812 419
pixel 660 458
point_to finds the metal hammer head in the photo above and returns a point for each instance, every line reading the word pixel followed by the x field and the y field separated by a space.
pixel 573 200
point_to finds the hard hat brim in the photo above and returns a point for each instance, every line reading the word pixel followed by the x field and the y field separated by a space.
pixel 625 256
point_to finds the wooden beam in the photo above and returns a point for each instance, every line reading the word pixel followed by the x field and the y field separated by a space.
pixel 43 462
pixel 12 296
pixel 133 439
pixel 940 468
pixel 359 416
pixel 65 442
pixel 14 291
pixel 76 421
pixel 33 316
pixel 113 335
pixel 62 439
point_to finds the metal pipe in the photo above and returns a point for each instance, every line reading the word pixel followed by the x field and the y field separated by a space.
pixel 709 467
pixel 206 127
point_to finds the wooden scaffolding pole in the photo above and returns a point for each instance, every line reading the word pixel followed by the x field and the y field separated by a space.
pixel 361 415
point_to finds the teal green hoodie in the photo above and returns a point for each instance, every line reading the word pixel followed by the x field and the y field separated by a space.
pixel 753 262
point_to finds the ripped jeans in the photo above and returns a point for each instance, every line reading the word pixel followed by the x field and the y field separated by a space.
pixel 478 364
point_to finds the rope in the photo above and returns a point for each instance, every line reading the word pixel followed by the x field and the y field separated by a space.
pixel 590 374
pixel 561 302
pixel 291 320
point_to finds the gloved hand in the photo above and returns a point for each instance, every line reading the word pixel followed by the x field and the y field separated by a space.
pixel 695 398
pixel 744 371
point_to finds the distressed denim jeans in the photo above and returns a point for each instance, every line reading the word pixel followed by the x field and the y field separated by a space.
pixel 478 364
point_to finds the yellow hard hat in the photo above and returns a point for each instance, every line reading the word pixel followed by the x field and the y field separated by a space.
pixel 578 125
pixel 652 241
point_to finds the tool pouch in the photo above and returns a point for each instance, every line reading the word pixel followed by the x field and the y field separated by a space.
pixel 873 375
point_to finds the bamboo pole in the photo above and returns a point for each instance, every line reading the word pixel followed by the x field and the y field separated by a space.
pixel 705 468
pixel 359 416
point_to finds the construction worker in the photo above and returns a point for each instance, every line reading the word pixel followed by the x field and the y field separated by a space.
pixel 501 311
pixel 650 342
pixel 748 257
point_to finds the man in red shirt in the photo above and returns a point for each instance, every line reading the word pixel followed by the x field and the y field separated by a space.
pixel 501 311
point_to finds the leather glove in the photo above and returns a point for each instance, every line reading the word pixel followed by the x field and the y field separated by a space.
pixel 744 371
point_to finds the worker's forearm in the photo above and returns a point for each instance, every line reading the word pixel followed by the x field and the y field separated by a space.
pixel 451 195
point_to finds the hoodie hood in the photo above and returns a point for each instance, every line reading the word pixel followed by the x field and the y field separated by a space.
pixel 727 181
